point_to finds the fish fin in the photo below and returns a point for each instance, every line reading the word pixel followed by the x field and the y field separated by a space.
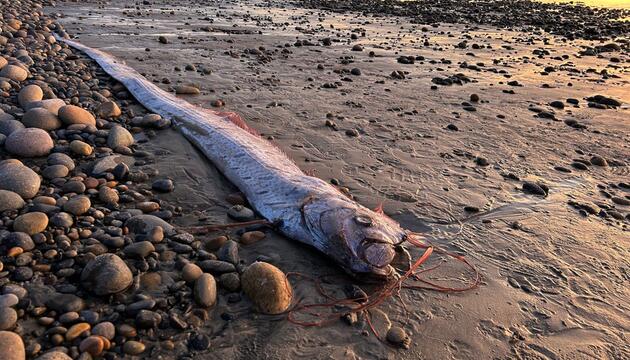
pixel 379 209
pixel 237 120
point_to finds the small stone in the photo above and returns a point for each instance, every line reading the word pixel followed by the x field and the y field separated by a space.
pixel 191 272
pixel 11 346
pixel 70 114
pixel 352 132
pixel 163 40
pixel 108 195
pixel 60 159
pixel 76 330
pixel 397 336
pixel 63 303
pixel 599 161
pixel 267 287
pixel 240 213
pixel 19 179
pixel 77 205
pixel 106 274
pixel 186 90
pixel 206 290
pixel 31 223
pixel 474 97
pixel 55 171
pixel 105 329
pixel 133 347
pixel 8 300
pixel 42 119
pixel 140 249
pixel 52 105
pixel 251 237
pixel 230 281
pixel 10 201
pixel 163 185
pixel 93 345
pixel 81 148
pixel 119 136
pixel 533 188
pixel 54 355
pixel 148 206
pixel 9 126
pixel 199 342
pixel 29 94
pixel 8 318
pixel 109 109
pixel 29 142
pixel 144 224
pixel 14 72
pixel 147 319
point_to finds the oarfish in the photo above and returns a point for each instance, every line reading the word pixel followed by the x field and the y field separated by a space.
pixel 306 208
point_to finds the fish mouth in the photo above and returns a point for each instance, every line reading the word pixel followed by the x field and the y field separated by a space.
pixel 378 253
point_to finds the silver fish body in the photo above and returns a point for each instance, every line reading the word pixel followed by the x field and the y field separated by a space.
pixel 306 208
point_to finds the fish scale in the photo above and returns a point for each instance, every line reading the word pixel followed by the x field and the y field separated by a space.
pixel 274 186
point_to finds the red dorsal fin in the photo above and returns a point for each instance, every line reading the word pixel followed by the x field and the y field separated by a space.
pixel 379 209
pixel 237 120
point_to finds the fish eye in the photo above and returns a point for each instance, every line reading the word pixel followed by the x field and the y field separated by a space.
pixel 363 220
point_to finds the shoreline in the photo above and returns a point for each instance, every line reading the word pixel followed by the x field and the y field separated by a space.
pixel 476 139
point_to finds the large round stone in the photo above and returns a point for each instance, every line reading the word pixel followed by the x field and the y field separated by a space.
pixel 106 274
pixel 19 179
pixel 8 318
pixel 77 205
pixel 31 142
pixel 71 114
pixel 52 105
pixel 10 201
pixel 41 118
pixel 29 94
pixel 9 126
pixel 31 223
pixel 60 159
pixel 14 72
pixel 267 287
pixel 11 346
pixel 119 136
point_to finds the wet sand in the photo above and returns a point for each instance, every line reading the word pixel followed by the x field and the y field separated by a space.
pixel 554 279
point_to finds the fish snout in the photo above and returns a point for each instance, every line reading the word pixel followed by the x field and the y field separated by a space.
pixel 378 254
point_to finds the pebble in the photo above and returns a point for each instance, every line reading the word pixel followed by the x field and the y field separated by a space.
pixel 8 300
pixel 55 171
pixel 191 272
pixel 70 114
pixel 76 330
pixel 29 142
pixel 105 329
pixel 119 136
pixel 77 205
pixel 93 345
pixel 42 119
pixel 7 127
pixel 109 109
pixel 8 318
pixel 81 148
pixel 144 224
pixel 533 188
pixel 206 290
pixel 11 346
pixel 60 159
pixel 163 185
pixel 397 336
pixel 108 195
pixel 186 90
pixel 599 161
pixel 52 105
pixel 31 223
pixel 29 94
pixel 241 213
pixel 140 249
pixel 64 303
pixel 132 347
pixel 106 274
pixel 267 287
pixel 10 201
pixel 14 72
pixel 19 179
pixel 54 355
pixel 230 281
pixel 251 237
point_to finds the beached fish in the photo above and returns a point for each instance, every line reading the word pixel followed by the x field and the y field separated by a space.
pixel 306 208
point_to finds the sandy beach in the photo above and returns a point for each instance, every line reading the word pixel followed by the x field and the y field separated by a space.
pixel 491 141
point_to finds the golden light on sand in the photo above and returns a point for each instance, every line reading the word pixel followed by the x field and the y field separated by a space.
pixel 625 4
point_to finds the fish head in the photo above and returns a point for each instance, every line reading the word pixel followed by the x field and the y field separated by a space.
pixel 360 240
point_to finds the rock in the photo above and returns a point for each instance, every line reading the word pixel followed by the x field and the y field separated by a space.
pixel 119 136
pixel 105 329
pixel 55 171
pixel 251 237
pixel 148 319
pixel 217 266
pixel 31 142
pixel 19 179
pixel 63 303
pixel 93 345
pixel 31 223
pixel 14 73
pixel 52 105
pixel 230 281
pixel 19 239
pixel 10 201
pixel 11 346
pixel 62 220
pixel 54 355
pixel 144 224
pixel 106 274
pixel 163 185
pixel 598 161
pixel 109 109
pixel 108 195
pixel 8 300
pixel 186 90
pixel 70 114
pixel 29 94
pixel 140 249
pixel 206 290
pixel 9 126
pixel 81 148
pixel 77 205
pixel 42 119
pixel 191 272
pixel 241 213
pixel 8 318
pixel 60 159
pixel 533 188
pixel 76 330
pixel 397 336
pixel 267 287
pixel 106 164
pixel 133 347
